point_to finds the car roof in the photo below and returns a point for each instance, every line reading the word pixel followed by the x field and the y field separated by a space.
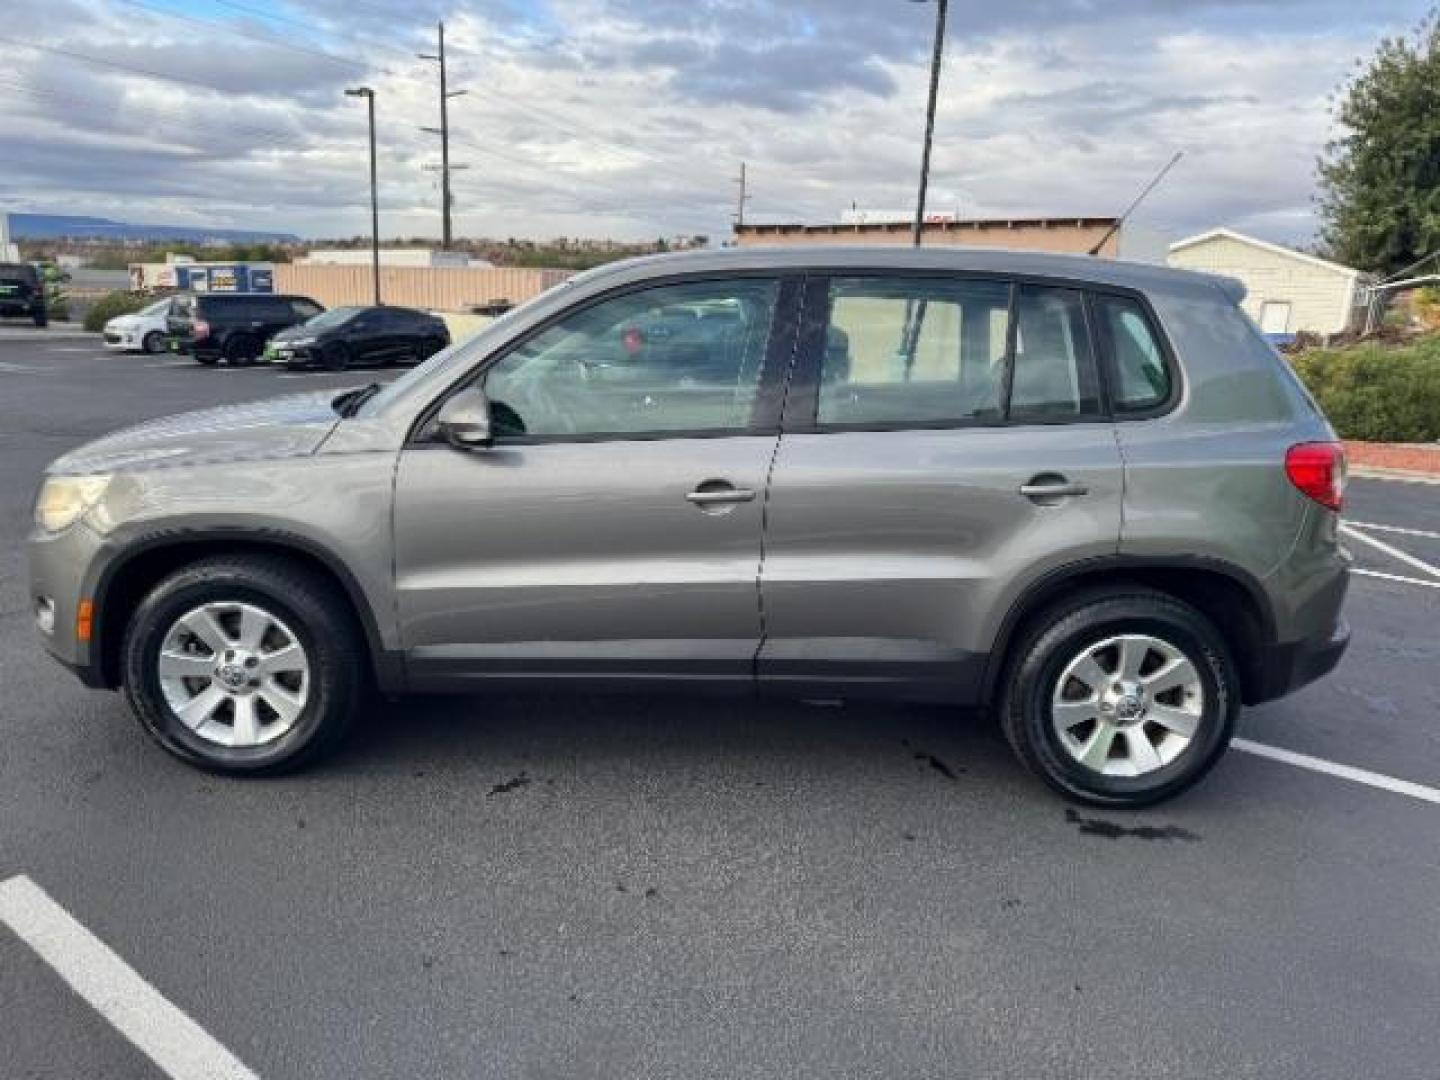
pixel 824 257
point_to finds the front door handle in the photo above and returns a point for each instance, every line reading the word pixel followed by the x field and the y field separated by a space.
pixel 1049 486
pixel 720 495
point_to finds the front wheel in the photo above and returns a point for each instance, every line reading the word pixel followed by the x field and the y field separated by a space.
pixel 42 319
pixel 153 342
pixel 335 357
pixel 1121 699
pixel 243 665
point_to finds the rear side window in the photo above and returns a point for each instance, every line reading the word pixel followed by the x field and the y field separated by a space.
pixel 1054 368
pixel 913 350
pixel 953 351
pixel 304 309
pixel 1140 380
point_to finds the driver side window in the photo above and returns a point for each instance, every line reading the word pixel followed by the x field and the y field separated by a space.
pixel 676 358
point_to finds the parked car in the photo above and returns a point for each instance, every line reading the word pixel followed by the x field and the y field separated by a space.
pixel 144 330
pixel 1081 493
pixel 233 327
pixel 344 337
pixel 22 293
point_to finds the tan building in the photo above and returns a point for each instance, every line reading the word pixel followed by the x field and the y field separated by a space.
pixel 1287 291
pixel 1074 236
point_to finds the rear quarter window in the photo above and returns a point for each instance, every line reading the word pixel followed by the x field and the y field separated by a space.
pixel 1140 378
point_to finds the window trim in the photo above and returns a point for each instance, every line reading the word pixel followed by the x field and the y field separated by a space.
pixel 776 366
pixel 803 402
pixel 1106 354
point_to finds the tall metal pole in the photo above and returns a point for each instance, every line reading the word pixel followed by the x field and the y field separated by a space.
pixel 374 203
pixel 369 95
pixel 445 234
pixel 940 11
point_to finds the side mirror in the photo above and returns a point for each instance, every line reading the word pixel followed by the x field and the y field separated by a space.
pixel 464 420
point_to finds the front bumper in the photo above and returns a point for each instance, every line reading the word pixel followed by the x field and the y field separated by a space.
pixel 61 565
pixel 122 340
pixel 1283 669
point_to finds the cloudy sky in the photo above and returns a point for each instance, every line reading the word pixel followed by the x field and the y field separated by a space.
pixel 629 119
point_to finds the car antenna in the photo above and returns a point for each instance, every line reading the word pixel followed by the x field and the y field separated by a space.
pixel 1114 228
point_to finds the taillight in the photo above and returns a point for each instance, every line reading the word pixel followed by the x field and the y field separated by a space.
pixel 199 329
pixel 1318 470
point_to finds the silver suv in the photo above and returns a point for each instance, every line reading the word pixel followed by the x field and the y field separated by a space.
pixel 1082 493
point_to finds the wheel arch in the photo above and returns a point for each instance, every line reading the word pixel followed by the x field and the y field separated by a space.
pixel 126 580
pixel 1226 594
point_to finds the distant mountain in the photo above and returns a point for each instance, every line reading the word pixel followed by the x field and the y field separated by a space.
pixel 55 226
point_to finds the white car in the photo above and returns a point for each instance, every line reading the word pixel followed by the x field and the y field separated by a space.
pixel 143 330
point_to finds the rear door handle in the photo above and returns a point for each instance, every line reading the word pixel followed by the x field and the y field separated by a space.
pixel 717 496
pixel 1057 488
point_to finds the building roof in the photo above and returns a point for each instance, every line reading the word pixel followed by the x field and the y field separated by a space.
pixel 930 226
pixel 1264 245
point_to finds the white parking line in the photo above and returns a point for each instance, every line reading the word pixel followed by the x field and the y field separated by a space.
pixel 179 1046
pixel 1393 552
pixel 1344 772
pixel 1395 577
pixel 1398 530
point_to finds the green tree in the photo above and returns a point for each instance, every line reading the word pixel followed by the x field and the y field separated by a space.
pixel 1380 180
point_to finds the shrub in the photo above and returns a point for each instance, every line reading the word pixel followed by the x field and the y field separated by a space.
pixel 1377 394
pixel 112 304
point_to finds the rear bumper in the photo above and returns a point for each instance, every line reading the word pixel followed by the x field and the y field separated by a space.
pixel 1286 668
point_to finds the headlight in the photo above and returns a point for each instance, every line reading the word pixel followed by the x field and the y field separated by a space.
pixel 64 499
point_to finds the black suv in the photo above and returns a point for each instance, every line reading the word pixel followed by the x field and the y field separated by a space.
pixel 344 336
pixel 233 327
pixel 22 293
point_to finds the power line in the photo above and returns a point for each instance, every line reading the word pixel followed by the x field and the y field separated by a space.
pixel 262 39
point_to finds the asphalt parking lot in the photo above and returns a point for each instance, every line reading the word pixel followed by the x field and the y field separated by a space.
pixel 562 886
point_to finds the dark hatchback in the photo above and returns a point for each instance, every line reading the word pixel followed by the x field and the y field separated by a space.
pixel 347 336
pixel 233 327
pixel 22 293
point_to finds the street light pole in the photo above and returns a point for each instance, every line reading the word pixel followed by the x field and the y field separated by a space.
pixel 369 96
pixel 940 12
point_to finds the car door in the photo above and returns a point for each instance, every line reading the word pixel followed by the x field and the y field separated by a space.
pixel 613 530
pixel 944 446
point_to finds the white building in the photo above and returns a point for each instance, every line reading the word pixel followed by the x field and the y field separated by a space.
pixel 421 257
pixel 1287 291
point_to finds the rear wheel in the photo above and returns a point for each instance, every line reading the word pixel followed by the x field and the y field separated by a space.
pixel 42 320
pixel 244 665
pixel 1121 699
pixel 241 349
pixel 153 342
pixel 208 359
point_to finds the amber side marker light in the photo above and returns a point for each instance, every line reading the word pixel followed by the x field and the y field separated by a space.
pixel 84 620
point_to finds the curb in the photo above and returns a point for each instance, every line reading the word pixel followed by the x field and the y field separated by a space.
pixel 38 335
pixel 1406 476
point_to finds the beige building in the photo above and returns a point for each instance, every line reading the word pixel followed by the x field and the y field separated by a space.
pixel 1287 291
pixel 1067 235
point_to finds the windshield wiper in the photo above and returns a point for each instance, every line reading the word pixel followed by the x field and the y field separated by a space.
pixel 348 403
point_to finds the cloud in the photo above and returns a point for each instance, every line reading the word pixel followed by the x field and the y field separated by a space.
pixel 602 117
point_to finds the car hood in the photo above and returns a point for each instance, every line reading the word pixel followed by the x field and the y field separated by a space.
pixel 291 426
pixel 293 333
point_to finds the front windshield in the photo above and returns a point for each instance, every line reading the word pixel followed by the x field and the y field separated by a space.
pixel 333 317
pixel 422 371
pixel 157 308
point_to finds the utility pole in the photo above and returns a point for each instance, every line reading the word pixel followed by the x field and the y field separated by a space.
pixel 936 57
pixel 446 233
pixel 369 95
pixel 741 199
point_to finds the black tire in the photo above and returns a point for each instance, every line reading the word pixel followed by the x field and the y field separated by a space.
pixel 42 319
pixel 322 623
pixel 241 350
pixel 1060 634
pixel 335 356
pixel 153 342
pixel 208 359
